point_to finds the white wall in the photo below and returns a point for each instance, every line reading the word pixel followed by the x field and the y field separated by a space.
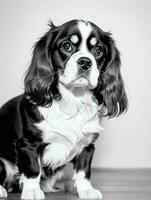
pixel 126 141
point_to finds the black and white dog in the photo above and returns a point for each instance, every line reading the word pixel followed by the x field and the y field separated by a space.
pixel 73 80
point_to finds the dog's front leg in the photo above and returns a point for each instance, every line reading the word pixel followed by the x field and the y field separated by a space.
pixel 29 166
pixel 82 166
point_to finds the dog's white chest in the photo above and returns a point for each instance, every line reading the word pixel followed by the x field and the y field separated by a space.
pixel 68 127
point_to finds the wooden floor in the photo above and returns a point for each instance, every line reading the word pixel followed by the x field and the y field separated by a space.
pixel 115 184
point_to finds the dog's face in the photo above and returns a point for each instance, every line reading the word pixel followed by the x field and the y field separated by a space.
pixel 78 50
pixel 77 54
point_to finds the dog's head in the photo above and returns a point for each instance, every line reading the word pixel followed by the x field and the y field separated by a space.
pixel 76 54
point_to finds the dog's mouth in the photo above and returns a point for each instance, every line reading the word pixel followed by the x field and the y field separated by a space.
pixel 81 81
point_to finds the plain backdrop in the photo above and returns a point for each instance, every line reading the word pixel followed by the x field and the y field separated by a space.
pixel 126 140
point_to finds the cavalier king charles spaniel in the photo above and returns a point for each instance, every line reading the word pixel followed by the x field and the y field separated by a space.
pixel 73 81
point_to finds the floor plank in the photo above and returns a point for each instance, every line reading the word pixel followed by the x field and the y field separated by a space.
pixel 115 184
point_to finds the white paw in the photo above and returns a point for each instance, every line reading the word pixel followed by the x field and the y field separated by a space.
pixel 34 194
pixel 90 194
pixel 31 188
pixel 3 193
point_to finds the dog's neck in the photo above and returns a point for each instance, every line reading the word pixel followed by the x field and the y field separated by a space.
pixel 74 99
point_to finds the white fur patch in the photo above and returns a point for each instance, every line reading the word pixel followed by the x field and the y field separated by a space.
pixel 85 30
pixel 3 193
pixel 84 188
pixel 31 188
pixel 68 126
pixel 74 39
pixel 93 41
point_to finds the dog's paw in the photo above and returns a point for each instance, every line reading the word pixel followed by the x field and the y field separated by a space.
pixel 90 194
pixel 3 193
pixel 34 194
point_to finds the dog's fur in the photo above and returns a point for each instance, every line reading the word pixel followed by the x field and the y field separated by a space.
pixel 73 80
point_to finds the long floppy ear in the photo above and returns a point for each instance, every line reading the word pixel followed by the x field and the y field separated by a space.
pixel 110 91
pixel 41 78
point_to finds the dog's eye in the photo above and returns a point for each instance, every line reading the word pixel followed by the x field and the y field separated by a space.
pixel 67 46
pixel 98 51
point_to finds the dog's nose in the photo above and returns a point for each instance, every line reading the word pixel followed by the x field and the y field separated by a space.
pixel 85 63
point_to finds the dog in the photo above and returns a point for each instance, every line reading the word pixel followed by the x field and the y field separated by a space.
pixel 73 81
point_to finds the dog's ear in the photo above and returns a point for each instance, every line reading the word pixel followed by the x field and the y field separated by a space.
pixel 41 78
pixel 110 90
